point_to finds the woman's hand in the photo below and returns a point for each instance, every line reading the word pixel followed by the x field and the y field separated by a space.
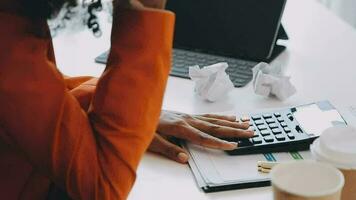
pixel 206 130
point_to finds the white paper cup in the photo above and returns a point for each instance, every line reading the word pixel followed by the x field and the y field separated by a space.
pixel 306 180
pixel 337 146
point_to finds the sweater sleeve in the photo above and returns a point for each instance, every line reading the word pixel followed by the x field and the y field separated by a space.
pixel 95 155
pixel 82 88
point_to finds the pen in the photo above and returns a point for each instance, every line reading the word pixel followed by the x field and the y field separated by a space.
pixel 265 166
pixel 264 170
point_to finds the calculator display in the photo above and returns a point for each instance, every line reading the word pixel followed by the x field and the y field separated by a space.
pixel 315 118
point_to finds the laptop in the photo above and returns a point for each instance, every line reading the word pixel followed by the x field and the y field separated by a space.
pixel 239 32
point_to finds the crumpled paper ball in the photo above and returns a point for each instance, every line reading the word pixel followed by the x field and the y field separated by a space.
pixel 269 81
pixel 211 82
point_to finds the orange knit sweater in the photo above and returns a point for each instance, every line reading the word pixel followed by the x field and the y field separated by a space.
pixel 47 134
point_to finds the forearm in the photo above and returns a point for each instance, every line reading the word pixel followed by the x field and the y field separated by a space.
pixel 138 67
pixel 73 82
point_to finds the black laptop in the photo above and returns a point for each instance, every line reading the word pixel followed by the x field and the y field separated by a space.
pixel 239 32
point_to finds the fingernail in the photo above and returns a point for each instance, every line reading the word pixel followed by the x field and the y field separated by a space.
pixel 245 118
pixel 183 157
pixel 246 124
pixel 234 145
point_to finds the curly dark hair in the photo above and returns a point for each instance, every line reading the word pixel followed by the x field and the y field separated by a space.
pixel 44 8
pixel 50 8
pixel 92 21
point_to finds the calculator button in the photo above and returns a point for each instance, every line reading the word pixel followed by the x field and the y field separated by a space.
pixel 259 122
pixel 270 120
pixel 250 123
pixel 257 140
pixel 298 129
pixel 276 131
pixel 280 137
pixel 283 124
pixel 262 127
pixel 287 130
pixel 256 117
pixel 277 114
pixel 265 132
pixel 273 125
pixel 268 138
pixel 252 128
pixel 267 116
pixel 255 134
pixel 290 117
pixel 291 136
pixel 280 119
pixel 244 143
pixel 245 119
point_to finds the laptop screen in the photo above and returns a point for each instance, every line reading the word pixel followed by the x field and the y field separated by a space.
pixel 237 28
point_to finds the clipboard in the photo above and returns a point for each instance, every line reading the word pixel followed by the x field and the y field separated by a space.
pixel 208 175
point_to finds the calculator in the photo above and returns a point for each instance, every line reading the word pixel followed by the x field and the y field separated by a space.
pixel 288 129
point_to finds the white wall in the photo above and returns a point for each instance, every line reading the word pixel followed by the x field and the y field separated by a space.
pixel 346 9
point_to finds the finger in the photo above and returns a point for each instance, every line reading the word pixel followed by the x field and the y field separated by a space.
pixel 244 119
pixel 223 117
pixel 191 134
pixel 221 131
pixel 165 148
pixel 221 122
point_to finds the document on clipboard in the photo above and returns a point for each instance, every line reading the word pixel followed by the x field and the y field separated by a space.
pixel 214 170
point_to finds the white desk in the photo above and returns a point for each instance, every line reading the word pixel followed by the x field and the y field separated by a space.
pixel 346 9
pixel 320 58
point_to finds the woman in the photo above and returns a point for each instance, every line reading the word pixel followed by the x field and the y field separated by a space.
pixel 82 138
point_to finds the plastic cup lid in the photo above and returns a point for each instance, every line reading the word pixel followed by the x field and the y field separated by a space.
pixel 307 178
pixel 337 146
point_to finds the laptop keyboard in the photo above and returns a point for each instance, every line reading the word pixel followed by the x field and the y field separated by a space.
pixel 240 71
